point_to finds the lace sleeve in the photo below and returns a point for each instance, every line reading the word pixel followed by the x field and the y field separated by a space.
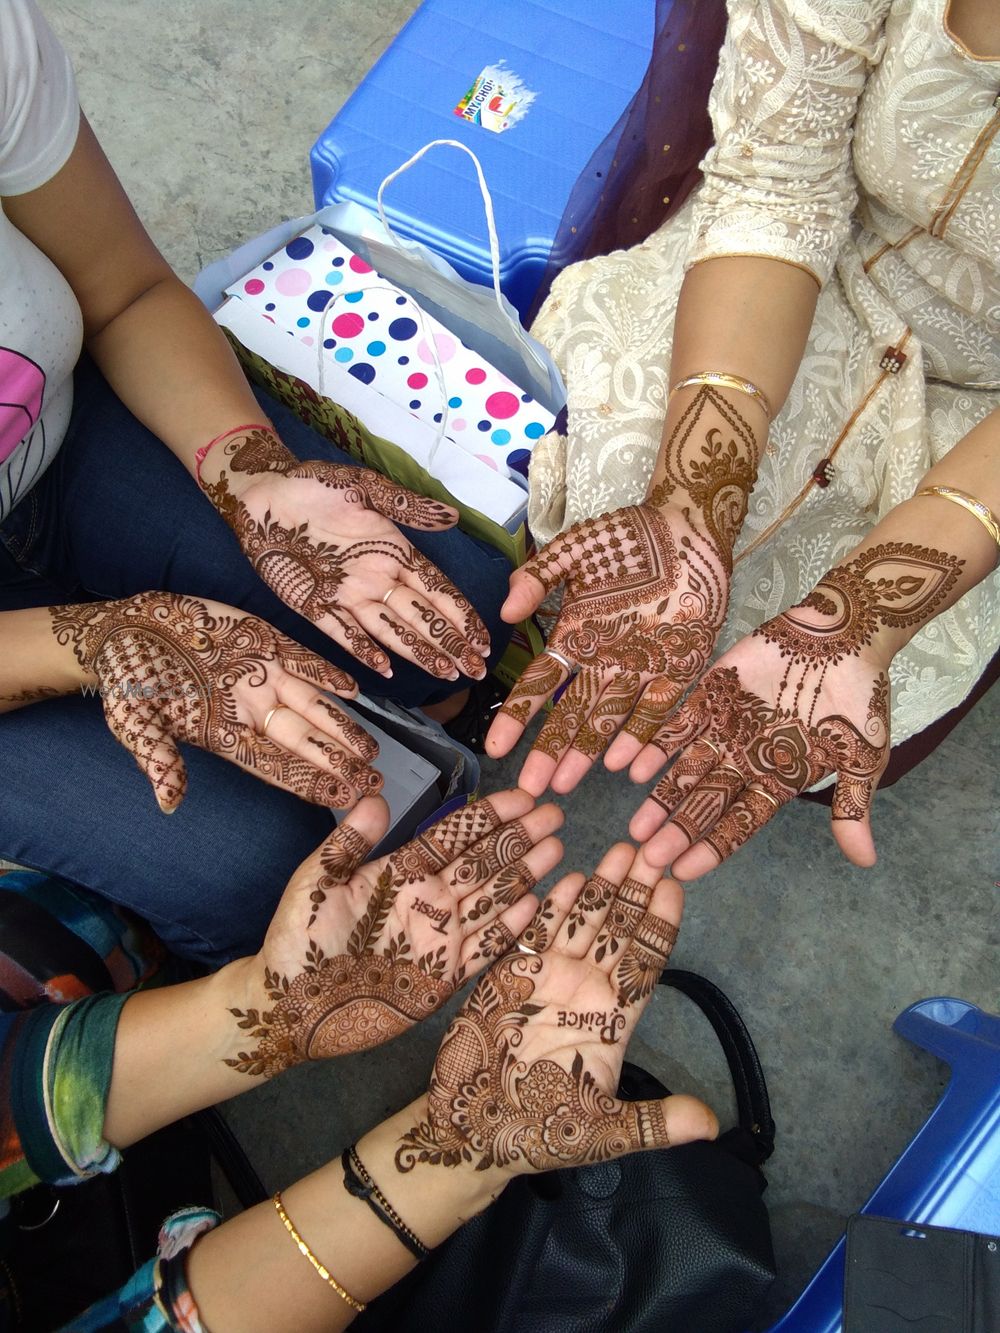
pixel 778 180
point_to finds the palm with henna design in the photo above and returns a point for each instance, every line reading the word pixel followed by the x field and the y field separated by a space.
pixel 645 596
pixel 806 695
pixel 357 953
pixel 172 668
pixel 324 537
pixel 526 1075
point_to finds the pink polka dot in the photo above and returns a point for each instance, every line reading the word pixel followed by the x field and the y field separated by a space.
pixel 484 458
pixel 293 282
pixel 348 326
pixel 358 265
pixel 445 345
pixel 253 286
pixel 501 405
pixel 308 341
pixel 457 423
pixel 331 243
pixel 417 380
pixel 475 375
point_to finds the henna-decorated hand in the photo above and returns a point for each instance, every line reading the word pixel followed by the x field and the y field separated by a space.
pixel 323 536
pixel 804 696
pixel 356 954
pixel 646 594
pixel 172 668
pixel 526 1075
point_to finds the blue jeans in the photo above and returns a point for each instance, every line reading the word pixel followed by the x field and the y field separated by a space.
pixel 116 514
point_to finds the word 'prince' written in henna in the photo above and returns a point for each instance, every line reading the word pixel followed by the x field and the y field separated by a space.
pixel 439 915
pixel 608 1024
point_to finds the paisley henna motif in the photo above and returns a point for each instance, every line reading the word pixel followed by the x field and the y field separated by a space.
pixel 167 667
pixel 490 1107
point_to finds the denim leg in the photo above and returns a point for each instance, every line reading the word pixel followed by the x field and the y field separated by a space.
pixel 207 878
pixel 120 515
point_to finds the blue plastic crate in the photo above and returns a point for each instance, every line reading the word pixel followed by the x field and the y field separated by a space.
pixel 949 1175
pixel 583 59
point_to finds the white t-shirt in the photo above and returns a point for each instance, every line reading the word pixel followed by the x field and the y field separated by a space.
pixel 41 328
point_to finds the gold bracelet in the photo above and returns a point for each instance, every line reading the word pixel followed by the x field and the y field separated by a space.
pixel 975 507
pixel 724 381
pixel 307 1253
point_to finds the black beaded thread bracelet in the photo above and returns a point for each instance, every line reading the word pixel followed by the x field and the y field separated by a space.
pixel 359 1183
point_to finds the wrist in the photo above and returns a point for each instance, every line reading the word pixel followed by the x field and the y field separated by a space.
pixel 214 470
pixel 434 1200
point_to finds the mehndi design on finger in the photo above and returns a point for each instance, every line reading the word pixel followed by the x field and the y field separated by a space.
pixel 622 921
pixel 593 898
pixel 638 970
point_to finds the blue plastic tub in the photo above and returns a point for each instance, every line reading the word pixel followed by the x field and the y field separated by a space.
pixel 949 1175
pixel 583 59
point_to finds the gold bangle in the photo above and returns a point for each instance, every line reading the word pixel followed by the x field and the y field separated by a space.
pixel 721 380
pixel 975 507
pixel 307 1253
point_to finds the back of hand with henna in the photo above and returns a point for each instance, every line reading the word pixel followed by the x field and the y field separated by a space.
pixel 358 953
pixel 646 592
pixel 171 668
pixel 806 695
pixel 323 536
pixel 526 1076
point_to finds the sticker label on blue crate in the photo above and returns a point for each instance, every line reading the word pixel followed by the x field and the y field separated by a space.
pixel 497 99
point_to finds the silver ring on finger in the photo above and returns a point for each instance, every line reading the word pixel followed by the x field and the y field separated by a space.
pixel 525 948
pixel 563 661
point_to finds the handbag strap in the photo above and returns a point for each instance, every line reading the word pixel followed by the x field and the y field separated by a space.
pixel 752 1101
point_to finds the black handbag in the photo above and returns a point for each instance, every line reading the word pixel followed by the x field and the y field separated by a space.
pixel 675 1239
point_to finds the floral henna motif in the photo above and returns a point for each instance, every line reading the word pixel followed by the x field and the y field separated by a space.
pixel 593 898
pixel 638 970
pixel 491 853
pixel 167 667
pixel 337 860
pixel 489 1107
pixel 622 921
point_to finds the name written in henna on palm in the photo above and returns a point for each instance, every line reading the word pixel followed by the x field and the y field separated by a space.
pixel 439 915
pixel 609 1025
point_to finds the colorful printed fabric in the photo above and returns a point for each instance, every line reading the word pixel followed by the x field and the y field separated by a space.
pixel 55 1071
pixel 157 1298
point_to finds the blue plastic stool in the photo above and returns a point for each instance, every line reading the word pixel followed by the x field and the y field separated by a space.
pixel 949 1175
pixel 583 59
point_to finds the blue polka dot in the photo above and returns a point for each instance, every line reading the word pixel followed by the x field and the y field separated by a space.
pixel 267 266
pixel 376 348
pixel 404 361
pixel 402 329
pixel 518 459
pixel 300 248
pixel 353 298
pixel 484 425
pixel 303 323
pixel 454 402
pixel 501 437
pixel 363 372
pixel 401 300
pixel 534 429
pixel 414 403
pixel 319 300
pixel 269 306
pixel 437 416
pixel 333 277
pixel 526 398
pixel 343 354
pixel 338 262
pixel 373 315
pixel 329 342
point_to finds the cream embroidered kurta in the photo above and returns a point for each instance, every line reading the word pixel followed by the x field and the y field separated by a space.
pixel 861 141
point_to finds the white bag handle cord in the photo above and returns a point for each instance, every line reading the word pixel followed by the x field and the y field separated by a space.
pixel 491 226
pixel 428 338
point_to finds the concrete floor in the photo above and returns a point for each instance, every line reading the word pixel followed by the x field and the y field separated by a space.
pixel 207 108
